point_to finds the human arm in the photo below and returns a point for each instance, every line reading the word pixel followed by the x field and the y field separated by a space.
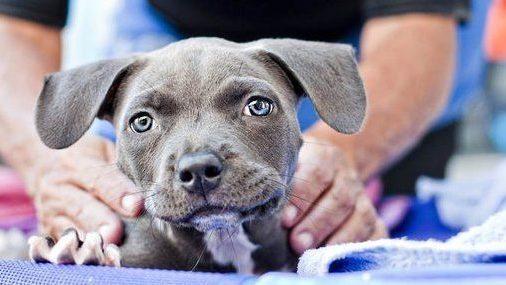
pixel 406 64
pixel 55 179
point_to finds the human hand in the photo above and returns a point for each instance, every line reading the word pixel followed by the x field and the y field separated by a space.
pixel 80 187
pixel 327 204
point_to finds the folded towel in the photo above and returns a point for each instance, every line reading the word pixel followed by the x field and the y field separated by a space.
pixel 463 274
pixel 483 244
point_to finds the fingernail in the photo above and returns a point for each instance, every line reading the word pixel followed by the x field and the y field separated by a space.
pixel 289 215
pixel 131 202
pixel 105 232
pixel 305 241
pixel 111 233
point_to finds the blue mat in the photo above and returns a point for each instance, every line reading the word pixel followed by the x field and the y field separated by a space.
pixel 19 272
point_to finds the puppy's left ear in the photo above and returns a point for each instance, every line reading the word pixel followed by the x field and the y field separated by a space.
pixel 71 99
pixel 327 73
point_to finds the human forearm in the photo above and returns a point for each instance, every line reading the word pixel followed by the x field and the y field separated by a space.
pixel 28 51
pixel 69 187
pixel 407 66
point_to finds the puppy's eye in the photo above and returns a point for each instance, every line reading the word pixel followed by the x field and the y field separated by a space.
pixel 258 106
pixel 141 122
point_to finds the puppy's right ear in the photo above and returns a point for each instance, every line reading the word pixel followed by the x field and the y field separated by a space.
pixel 71 99
pixel 325 72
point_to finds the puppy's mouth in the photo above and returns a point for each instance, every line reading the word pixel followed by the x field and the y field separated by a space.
pixel 257 210
pixel 212 217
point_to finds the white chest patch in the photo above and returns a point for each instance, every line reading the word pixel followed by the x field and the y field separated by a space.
pixel 231 247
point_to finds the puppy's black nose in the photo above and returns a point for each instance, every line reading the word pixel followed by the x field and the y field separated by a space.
pixel 199 172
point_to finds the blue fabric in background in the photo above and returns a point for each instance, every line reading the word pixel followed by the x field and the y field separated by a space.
pixel 471 64
pixel 422 223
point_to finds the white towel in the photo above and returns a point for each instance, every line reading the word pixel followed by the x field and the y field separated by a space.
pixel 483 244
pixel 455 200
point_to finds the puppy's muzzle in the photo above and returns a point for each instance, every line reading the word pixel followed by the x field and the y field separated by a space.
pixel 199 172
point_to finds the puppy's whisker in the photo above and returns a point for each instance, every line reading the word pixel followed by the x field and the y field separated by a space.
pixel 298 197
pixel 310 219
pixel 146 197
pixel 326 209
pixel 277 183
pixel 290 197
pixel 202 251
pixel 289 176
pixel 160 227
pixel 231 243
pixel 294 204
pixel 295 177
pixel 115 199
pixel 151 230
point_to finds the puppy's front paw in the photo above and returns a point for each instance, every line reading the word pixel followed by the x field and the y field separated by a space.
pixel 71 250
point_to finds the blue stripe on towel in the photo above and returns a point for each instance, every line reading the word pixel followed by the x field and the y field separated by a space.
pixel 361 261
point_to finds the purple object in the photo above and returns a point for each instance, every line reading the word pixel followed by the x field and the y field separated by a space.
pixel 27 224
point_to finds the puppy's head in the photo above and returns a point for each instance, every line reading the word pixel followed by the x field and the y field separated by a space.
pixel 206 127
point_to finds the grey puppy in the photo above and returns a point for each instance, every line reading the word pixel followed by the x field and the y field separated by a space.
pixel 207 130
